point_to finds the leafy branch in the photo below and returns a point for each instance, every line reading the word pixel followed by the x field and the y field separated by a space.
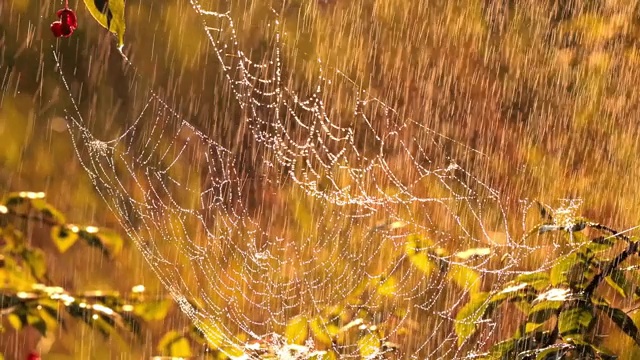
pixel 561 306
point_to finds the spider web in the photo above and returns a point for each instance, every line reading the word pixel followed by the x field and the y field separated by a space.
pixel 337 181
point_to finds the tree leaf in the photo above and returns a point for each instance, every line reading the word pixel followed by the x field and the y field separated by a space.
pixel 574 322
pixel 538 280
pixel 416 249
pixel 153 310
pixel 109 242
pixel 540 313
pixel 369 345
pixel 622 320
pixel 15 321
pixel 466 278
pixel 469 315
pixel 320 332
pixel 297 330
pixel 552 352
pixel 174 344
pixel 63 238
pixel 34 258
pixel 48 211
pixel 111 17
pixel 388 286
pixel 618 281
pixel 473 253
pixel 574 270
pixel 601 243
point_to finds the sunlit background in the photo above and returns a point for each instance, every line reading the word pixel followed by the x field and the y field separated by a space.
pixel 534 100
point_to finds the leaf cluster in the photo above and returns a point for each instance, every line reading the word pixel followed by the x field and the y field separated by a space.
pixel 562 306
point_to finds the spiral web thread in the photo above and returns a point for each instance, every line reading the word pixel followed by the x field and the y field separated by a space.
pixel 183 202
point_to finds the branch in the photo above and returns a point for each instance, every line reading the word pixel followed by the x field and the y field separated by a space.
pixel 612 265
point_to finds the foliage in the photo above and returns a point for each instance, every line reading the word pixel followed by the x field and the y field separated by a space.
pixel 561 307
pixel 28 299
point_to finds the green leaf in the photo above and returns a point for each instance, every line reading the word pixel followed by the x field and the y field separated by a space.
pixel 297 330
pixel 574 270
pixel 470 314
pixel 153 310
pixel 540 313
pixel 369 345
pixel 63 238
pixel 618 281
pixel 538 280
pixel 622 320
pixel 574 322
pixel 552 352
pixel 174 344
pixel 601 243
pixel 584 348
pixel 514 348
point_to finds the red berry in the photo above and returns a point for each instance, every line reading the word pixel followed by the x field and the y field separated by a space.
pixel 56 28
pixel 67 16
pixel 66 25
pixel 33 356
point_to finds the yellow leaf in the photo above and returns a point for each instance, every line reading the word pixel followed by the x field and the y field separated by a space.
pixel 109 14
pixel 63 238
pixel 297 330
pixel 15 321
pixel 388 287
pixel 369 345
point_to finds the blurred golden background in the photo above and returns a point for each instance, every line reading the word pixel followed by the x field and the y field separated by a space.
pixel 545 89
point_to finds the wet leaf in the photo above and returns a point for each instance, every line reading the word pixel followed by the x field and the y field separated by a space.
pixel 15 321
pixel 540 313
pixel 416 250
pixel 36 321
pixel 469 315
pixel 319 331
pixel 550 353
pixel 618 281
pixel 388 286
pixel 466 278
pixel 369 345
pixel 63 238
pixel 48 211
pixel 622 320
pixel 601 243
pixel 297 330
pixel 174 344
pixel 36 262
pixel 473 253
pixel 538 280
pixel 153 310
pixel 573 270
pixel 108 241
pixel 574 322
pixel 111 17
